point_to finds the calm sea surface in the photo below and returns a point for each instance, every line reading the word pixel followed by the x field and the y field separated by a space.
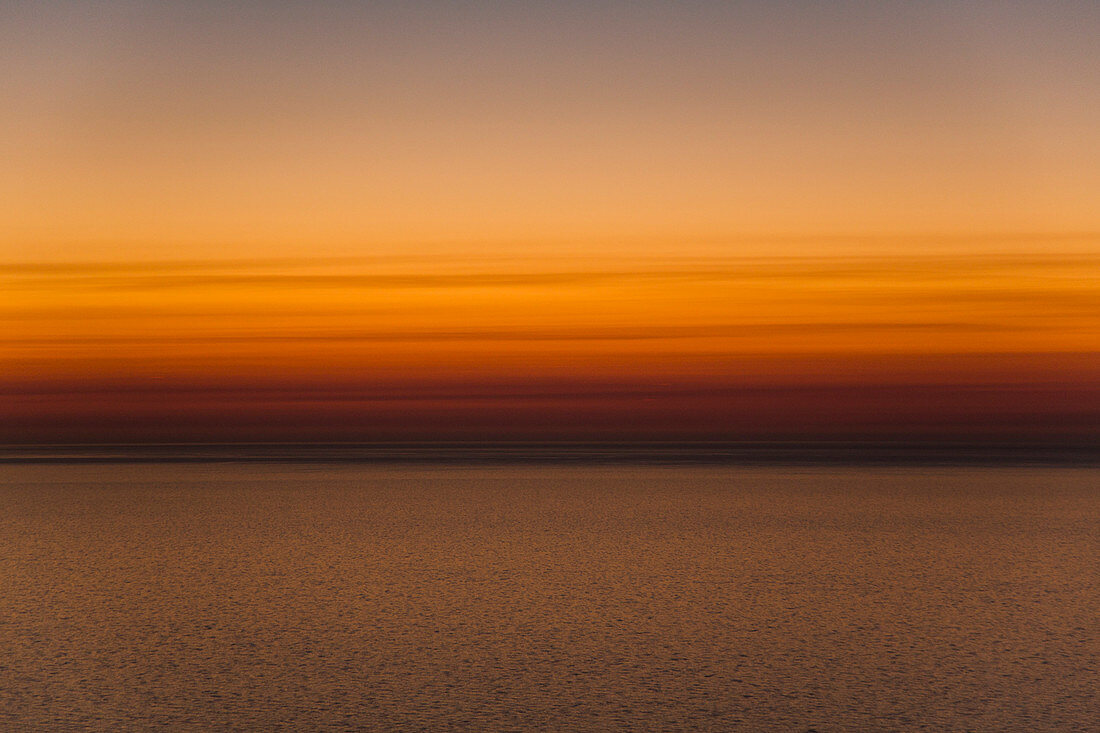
pixel 320 597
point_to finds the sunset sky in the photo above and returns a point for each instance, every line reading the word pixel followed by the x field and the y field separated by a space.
pixel 549 221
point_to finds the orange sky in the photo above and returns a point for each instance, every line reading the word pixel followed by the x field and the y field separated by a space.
pixel 319 222
pixel 593 347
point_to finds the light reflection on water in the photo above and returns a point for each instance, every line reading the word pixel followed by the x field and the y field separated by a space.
pixel 312 596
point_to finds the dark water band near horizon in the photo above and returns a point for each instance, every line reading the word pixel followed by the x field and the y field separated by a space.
pixel 258 595
pixel 627 453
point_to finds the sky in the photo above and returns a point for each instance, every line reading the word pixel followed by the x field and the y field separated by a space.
pixel 549 221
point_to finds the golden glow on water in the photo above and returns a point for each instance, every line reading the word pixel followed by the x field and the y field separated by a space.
pixel 307 596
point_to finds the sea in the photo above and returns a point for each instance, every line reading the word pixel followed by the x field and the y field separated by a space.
pixel 332 596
